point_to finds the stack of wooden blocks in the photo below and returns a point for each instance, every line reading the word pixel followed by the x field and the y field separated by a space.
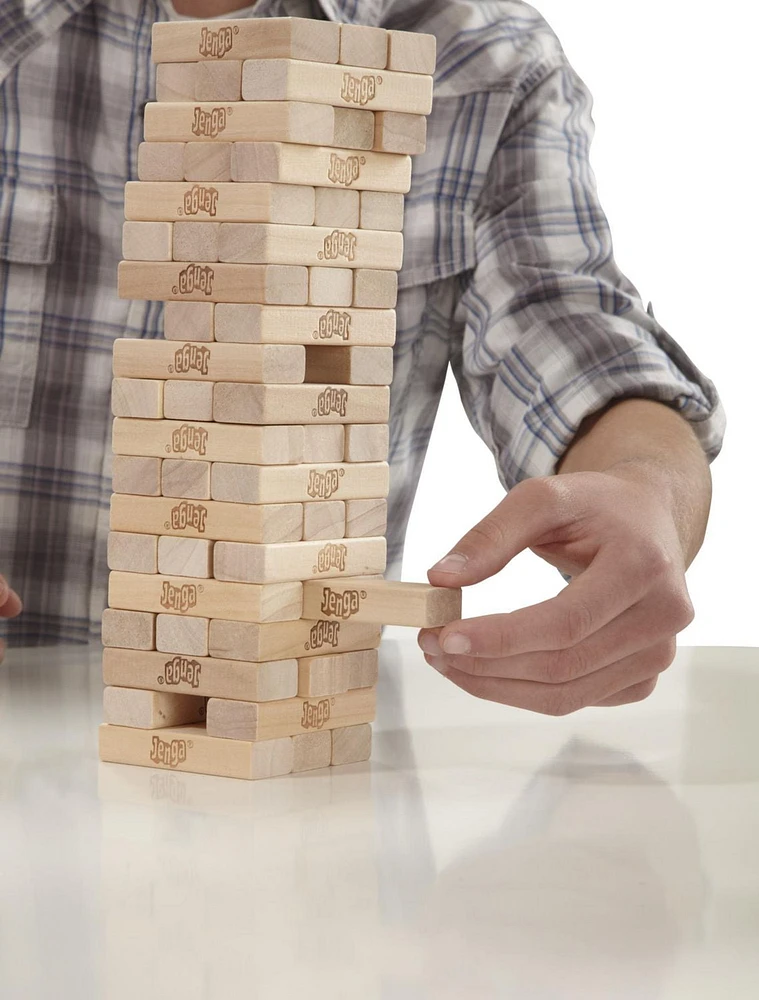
pixel 250 445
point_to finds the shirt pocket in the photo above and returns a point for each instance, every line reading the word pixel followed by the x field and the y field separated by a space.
pixel 28 215
pixel 439 240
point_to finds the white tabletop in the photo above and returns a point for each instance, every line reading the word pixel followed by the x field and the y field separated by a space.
pixel 485 852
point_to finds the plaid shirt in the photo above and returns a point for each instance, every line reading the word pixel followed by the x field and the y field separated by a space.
pixel 508 275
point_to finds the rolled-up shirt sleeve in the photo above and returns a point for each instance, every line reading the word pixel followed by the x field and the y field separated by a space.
pixel 552 330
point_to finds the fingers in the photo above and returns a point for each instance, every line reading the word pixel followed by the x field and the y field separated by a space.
pixel 10 602
pixel 638 692
pixel 597 688
pixel 533 508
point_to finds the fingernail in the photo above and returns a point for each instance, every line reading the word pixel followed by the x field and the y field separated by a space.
pixel 456 643
pixel 454 562
pixel 430 644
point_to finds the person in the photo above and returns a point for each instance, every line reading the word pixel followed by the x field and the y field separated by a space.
pixel 601 427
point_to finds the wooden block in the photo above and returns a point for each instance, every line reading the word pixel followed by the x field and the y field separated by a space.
pixel 252 121
pixel 137 397
pixel 193 240
pixel 336 208
pixel 212 599
pixel 279 363
pixel 363 46
pixel 186 479
pixel 245 720
pixel 286 204
pixel 395 132
pixel 353 129
pixel 321 166
pixel 323 519
pixel 146 241
pixel 411 52
pixel 363 668
pixel 339 86
pixel 175 82
pixel 185 556
pixel 275 38
pixel 312 750
pixel 365 518
pixel 128 629
pixel 218 81
pixel 213 442
pixel 252 484
pixel 188 321
pixel 351 744
pixel 187 748
pixel 235 323
pixel 181 634
pixel 271 680
pixel 234 640
pixel 151 709
pixel 188 400
pixel 265 283
pixel 132 552
pixel 323 443
pixel 206 161
pixel 137 475
pixel 241 562
pixel 322 676
pixel 375 289
pixel 305 404
pixel 160 161
pixel 263 243
pixel 384 602
pixel 330 286
pixel 381 210
pixel 367 442
pixel 349 365
pixel 218 521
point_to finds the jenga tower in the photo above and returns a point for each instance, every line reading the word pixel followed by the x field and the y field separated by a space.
pixel 250 467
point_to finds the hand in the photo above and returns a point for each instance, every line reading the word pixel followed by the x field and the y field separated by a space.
pixel 608 635
pixel 10 606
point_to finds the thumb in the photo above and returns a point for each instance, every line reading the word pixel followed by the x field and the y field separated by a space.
pixel 518 522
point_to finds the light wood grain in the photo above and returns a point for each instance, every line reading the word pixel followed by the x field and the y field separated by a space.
pixel 188 748
pixel 275 562
pixel 374 289
pixel 271 680
pixel 137 397
pixel 181 634
pixel 188 400
pixel 363 46
pixel 237 640
pixel 411 52
pixel 256 324
pixel 160 161
pixel 270 284
pixel 319 246
pixel 336 672
pixel 275 38
pixel 365 518
pixel 330 286
pixel 290 163
pixel 185 556
pixel 136 475
pixel 381 210
pixel 175 82
pixel 351 744
pixel 395 132
pixel 312 751
pixel 194 240
pixel 132 552
pixel 304 404
pixel 323 443
pixel 367 442
pixel 188 321
pixel 251 121
pixel 336 208
pixel 323 519
pixel 211 598
pixel 212 442
pixel 353 129
pixel 349 365
pixel 146 241
pixel 279 363
pixel 218 81
pixel 236 483
pixel 286 204
pixel 384 602
pixel 151 709
pixel 218 521
pixel 184 479
pixel 206 161
pixel 128 629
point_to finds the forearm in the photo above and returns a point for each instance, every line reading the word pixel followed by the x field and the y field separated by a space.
pixel 650 444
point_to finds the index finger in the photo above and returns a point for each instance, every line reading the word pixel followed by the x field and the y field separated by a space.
pixel 10 602
pixel 592 600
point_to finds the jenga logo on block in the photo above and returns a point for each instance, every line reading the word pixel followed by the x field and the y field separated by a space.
pixel 341 605
pixel 333 324
pixel 322 485
pixel 189 438
pixel 338 244
pixel 190 358
pixel 359 89
pixel 344 169
pixel 188 515
pixel 209 123
pixel 178 598
pixel 216 44
pixel 331 556
pixel 330 400
pixel 169 753
pixel 180 670
pixel 200 199
pixel 323 633
pixel 315 714
pixel 194 278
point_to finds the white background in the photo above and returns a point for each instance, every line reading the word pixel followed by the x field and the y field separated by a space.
pixel 676 163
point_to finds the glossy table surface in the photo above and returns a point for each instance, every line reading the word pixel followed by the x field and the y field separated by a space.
pixel 483 853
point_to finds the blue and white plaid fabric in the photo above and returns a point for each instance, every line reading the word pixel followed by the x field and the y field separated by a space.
pixel 508 276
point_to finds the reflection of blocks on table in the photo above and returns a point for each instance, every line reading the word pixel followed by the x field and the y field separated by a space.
pixel 251 443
